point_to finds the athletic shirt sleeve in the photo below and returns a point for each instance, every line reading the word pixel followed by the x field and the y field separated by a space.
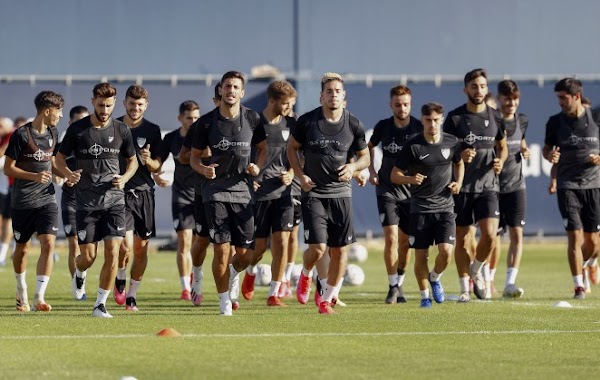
pixel 299 133
pixel 524 121
pixel 200 131
pixel 376 136
pixel 156 144
pixel 165 146
pixel 550 138
pixel 17 142
pixel 128 149
pixel 68 142
pixel 359 135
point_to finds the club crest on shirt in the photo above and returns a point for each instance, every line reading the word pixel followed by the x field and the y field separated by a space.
pixel 446 153
pixel 111 138
pixel 285 134
pixel 486 122
pixel 51 141
pixel 141 141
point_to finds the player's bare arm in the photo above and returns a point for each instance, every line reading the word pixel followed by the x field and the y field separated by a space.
pixel 11 170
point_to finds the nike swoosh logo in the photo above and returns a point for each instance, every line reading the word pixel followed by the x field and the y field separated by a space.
pixel 120 228
pixel 497 212
pixel 423 157
pixel 248 241
pixel 451 238
pixel 148 233
pixel 290 225
pixel 54 228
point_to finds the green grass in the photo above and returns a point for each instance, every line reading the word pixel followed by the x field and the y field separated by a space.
pixel 526 338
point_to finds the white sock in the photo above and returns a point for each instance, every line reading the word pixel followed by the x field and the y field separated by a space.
pixel 486 272
pixel 306 272
pixel 80 274
pixel 464 284
pixel 323 282
pixel 433 276
pixel 492 274
pixel 250 270
pixel 593 261
pixel 133 288
pixel 224 299
pixel 476 267
pixel 3 251
pixel 101 297
pixel 21 286
pixel 197 272
pixel 393 279
pixel 40 287
pixel 338 287
pixel 578 281
pixel 232 271
pixel 424 294
pixel 401 277
pixel 511 276
pixel 185 282
pixel 328 292
pixel 274 288
pixel 289 268
pixel 122 273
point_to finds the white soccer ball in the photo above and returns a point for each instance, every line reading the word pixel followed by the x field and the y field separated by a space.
pixel 263 275
pixel 354 275
pixel 358 253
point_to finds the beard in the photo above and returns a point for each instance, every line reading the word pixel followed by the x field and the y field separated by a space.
pixel 474 100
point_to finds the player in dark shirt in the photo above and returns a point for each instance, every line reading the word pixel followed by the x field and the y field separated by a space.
pixel 428 160
pixel 481 130
pixel 97 142
pixel 30 161
pixel 229 131
pixel 326 135
pixel 572 143
pixel 67 201
pixel 273 207
pixel 513 197
pixel 393 201
pixel 182 193
pixel 139 197
pixel 201 239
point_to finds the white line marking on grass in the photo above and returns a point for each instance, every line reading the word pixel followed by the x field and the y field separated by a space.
pixel 299 335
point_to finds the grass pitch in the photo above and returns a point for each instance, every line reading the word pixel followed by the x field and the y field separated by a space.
pixel 525 338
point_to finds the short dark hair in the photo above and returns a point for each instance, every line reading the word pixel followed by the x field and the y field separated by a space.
pixel 509 89
pixel 48 99
pixel 473 74
pixel 571 86
pixel 234 74
pixel 432 107
pixel 399 90
pixel 280 89
pixel 76 111
pixel 135 91
pixel 104 90
pixel 217 88
pixel 188 105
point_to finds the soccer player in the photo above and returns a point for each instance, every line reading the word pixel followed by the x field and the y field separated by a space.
pixel 393 201
pixel 97 142
pixel 327 134
pixel 67 202
pixel 6 129
pixel 182 193
pixel 30 161
pixel 139 196
pixel 202 239
pixel 229 131
pixel 481 129
pixel 274 208
pixel 571 142
pixel 428 160
pixel 513 197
